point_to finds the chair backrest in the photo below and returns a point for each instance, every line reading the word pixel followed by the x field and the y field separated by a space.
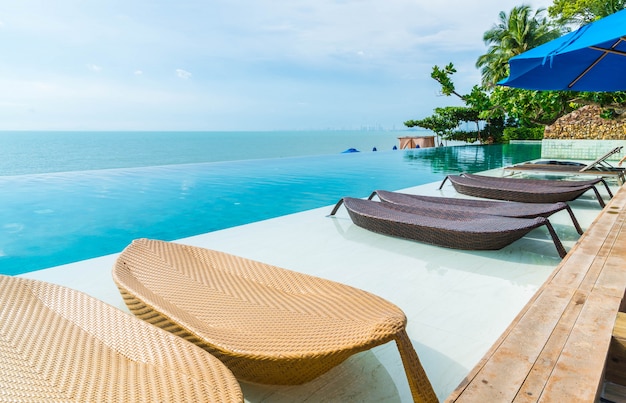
pixel 601 159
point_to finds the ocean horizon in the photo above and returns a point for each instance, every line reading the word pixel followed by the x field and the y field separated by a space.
pixel 37 152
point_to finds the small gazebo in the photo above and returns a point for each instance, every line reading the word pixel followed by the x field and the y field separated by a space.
pixel 416 142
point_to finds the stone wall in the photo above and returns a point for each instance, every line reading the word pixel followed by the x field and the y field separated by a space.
pixel 583 135
pixel 586 124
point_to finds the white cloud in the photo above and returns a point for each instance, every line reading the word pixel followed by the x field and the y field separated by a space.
pixel 184 74
pixel 342 59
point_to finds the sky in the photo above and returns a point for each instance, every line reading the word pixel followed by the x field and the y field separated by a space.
pixel 231 65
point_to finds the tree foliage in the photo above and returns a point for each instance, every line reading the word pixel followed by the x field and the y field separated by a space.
pixel 528 107
pixel 581 12
pixel 441 125
pixel 502 107
pixel 520 30
pixel 445 121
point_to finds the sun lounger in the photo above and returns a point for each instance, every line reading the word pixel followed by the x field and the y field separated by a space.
pixel 523 190
pixel 491 207
pixel 599 167
pixel 267 324
pixel 60 345
pixel 457 230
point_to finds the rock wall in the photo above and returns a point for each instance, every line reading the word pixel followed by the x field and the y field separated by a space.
pixel 586 124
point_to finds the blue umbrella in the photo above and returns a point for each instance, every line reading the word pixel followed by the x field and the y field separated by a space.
pixel 592 58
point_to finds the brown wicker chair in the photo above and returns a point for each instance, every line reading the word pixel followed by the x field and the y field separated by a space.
pixel 524 190
pixel 267 324
pixel 457 230
pixel 491 207
pixel 60 345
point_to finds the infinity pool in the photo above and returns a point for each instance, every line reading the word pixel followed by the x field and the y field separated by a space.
pixel 52 219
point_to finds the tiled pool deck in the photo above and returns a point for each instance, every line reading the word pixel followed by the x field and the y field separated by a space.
pixel 457 302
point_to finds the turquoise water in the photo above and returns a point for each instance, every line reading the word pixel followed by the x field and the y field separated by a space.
pixel 57 218
pixel 44 152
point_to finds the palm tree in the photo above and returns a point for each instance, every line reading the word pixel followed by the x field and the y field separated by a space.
pixel 516 33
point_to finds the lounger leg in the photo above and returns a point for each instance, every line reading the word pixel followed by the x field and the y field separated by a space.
pixel 339 203
pixel 444 181
pixel 421 388
pixel 598 196
pixel 607 188
pixel 372 195
pixel 574 220
pixel 556 240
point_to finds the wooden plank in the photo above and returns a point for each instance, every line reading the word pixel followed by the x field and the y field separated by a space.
pixel 586 259
pixel 502 375
pixel 612 279
pixel 572 273
pixel 614 393
pixel 492 350
pixel 544 365
pixel 556 348
pixel 616 361
pixel 579 371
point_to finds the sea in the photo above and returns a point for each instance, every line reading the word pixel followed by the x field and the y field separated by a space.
pixel 70 196
pixel 32 152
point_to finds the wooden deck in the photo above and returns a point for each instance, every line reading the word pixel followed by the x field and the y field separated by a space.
pixel 556 348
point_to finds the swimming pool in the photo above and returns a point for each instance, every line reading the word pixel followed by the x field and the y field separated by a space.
pixel 52 219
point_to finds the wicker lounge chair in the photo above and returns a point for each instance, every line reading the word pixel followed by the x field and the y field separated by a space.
pixel 450 229
pixel 267 324
pixel 491 207
pixel 523 190
pixel 599 167
pixel 60 345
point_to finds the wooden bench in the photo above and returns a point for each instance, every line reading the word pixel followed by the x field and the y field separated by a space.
pixel 556 348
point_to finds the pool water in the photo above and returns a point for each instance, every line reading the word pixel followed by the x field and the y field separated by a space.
pixel 52 219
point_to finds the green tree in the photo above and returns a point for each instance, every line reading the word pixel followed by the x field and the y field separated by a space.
pixel 529 108
pixel 581 12
pixel 476 101
pixel 520 30
pixel 440 124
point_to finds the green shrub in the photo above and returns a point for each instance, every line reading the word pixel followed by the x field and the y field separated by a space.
pixel 523 133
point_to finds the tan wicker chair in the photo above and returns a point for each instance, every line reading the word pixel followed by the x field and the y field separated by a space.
pixel 60 345
pixel 267 324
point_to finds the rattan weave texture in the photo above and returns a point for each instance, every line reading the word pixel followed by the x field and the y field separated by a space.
pixel 541 182
pixel 457 230
pixel 521 190
pixel 491 207
pixel 60 345
pixel 267 324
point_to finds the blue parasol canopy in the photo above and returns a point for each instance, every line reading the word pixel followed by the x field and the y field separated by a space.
pixel 592 58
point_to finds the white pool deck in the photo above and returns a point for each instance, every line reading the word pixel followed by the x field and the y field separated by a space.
pixel 457 302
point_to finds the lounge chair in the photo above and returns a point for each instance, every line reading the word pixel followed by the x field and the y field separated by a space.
pixel 491 207
pixel 450 229
pixel 268 325
pixel 599 167
pixel 61 345
pixel 523 190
